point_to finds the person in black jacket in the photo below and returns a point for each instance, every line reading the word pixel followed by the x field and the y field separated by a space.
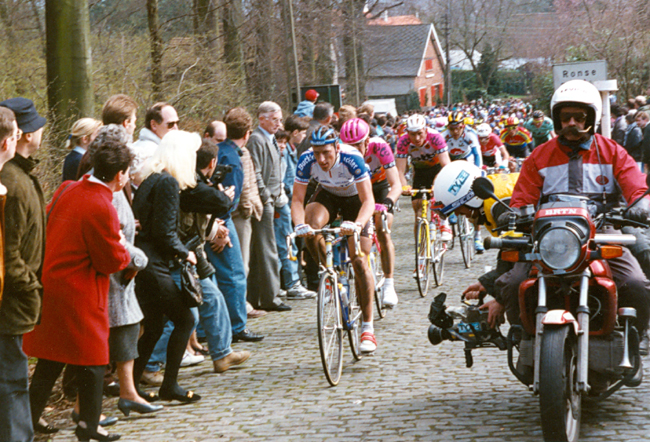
pixel 201 206
pixel 156 205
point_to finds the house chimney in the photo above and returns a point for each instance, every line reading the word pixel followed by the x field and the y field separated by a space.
pixel 417 14
pixel 385 15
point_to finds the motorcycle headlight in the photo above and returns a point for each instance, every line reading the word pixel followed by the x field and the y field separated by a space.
pixel 560 248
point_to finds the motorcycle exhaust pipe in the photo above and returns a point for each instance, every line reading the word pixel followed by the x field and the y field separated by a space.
pixel 627 313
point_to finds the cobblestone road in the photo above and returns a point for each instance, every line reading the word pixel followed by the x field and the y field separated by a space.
pixel 408 390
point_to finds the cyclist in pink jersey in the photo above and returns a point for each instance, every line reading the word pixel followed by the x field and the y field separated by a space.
pixel 428 152
pixel 386 189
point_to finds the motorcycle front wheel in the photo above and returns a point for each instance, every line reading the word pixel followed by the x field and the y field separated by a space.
pixel 559 399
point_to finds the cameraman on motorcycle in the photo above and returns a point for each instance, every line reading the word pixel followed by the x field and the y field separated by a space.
pixel 453 189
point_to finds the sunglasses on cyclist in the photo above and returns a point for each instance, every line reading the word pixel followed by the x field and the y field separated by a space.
pixel 579 117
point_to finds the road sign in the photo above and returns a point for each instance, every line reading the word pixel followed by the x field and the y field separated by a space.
pixel 584 70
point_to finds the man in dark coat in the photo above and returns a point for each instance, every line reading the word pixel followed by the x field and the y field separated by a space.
pixel 24 245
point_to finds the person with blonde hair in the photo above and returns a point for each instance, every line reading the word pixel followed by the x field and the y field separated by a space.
pixel 157 205
pixel 82 133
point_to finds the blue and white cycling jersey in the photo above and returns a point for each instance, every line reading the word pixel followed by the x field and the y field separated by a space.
pixel 348 170
pixel 466 147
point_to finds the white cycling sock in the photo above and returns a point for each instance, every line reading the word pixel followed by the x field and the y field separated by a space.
pixel 367 327
pixel 389 282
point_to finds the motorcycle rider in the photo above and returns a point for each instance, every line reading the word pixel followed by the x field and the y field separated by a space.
pixel 580 162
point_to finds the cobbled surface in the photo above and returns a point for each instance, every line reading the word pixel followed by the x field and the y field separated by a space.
pixel 407 391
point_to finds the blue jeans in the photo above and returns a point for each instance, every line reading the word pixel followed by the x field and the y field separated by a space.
pixel 282 226
pixel 212 317
pixel 231 278
pixel 15 414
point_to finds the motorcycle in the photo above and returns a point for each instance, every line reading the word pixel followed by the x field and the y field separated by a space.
pixel 573 340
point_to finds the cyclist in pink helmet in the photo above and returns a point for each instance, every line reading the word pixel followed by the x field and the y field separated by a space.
pixel 386 189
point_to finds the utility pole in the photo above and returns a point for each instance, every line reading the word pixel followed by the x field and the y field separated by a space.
pixel 448 70
pixel 295 50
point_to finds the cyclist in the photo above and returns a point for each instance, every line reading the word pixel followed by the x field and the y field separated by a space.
pixel 492 149
pixel 540 127
pixel 428 152
pixel 343 188
pixel 386 190
pixel 517 139
pixel 463 144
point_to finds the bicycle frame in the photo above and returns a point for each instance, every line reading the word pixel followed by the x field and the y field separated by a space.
pixel 330 237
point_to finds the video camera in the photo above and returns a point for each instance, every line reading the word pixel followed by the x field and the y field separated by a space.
pixel 472 327
pixel 220 173
pixel 203 267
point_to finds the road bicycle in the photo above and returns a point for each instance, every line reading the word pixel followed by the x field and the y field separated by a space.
pixel 338 308
pixel 429 248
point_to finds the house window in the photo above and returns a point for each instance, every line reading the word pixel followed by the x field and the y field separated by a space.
pixel 434 95
pixel 423 97
pixel 428 65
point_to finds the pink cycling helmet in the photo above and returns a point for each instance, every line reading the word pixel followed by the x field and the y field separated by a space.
pixel 354 131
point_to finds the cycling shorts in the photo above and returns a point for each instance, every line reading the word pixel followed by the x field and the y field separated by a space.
pixel 346 206
pixel 380 191
pixel 424 178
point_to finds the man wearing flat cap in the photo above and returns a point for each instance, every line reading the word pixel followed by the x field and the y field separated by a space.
pixel 20 304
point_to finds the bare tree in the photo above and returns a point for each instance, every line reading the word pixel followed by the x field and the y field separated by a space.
pixel 70 91
pixel 156 50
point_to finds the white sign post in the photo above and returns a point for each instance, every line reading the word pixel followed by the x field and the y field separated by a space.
pixel 594 72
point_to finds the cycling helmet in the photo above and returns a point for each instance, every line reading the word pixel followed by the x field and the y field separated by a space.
pixel 484 130
pixel 453 186
pixel 538 114
pixel 415 123
pixel 354 131
pixel 512 121
pixel 469 121
pixel 455 118
pixel 323 135
pixel 577 93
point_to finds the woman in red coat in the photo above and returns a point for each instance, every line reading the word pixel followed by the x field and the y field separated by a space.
pixel 84 246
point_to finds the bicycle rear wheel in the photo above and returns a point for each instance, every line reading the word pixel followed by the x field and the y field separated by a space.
pixel 438 259
pixel 422 258
pixel 374 262
pixel 330 333
pixel 353 325
pixel 466 233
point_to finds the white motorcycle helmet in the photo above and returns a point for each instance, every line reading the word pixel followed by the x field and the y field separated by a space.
pixel 453 186
pixel 577 93
pixel 484 130
pixel 415 123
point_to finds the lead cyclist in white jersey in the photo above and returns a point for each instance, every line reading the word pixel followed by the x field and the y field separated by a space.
pixel 343 188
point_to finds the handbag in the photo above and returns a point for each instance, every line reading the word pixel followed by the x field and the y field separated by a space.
pixel 190 286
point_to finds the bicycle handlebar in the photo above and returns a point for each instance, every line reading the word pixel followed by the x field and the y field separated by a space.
pixel 325 231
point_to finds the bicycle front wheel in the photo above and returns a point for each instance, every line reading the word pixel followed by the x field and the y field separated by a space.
pixel 466 233
pixel 422 258
pixel 330 333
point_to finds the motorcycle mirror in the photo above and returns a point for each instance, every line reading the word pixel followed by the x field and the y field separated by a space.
pixel 484 189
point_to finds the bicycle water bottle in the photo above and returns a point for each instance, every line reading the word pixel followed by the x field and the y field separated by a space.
pixel 343 288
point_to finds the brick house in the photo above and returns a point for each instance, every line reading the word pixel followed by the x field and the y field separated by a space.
pixel 402 59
